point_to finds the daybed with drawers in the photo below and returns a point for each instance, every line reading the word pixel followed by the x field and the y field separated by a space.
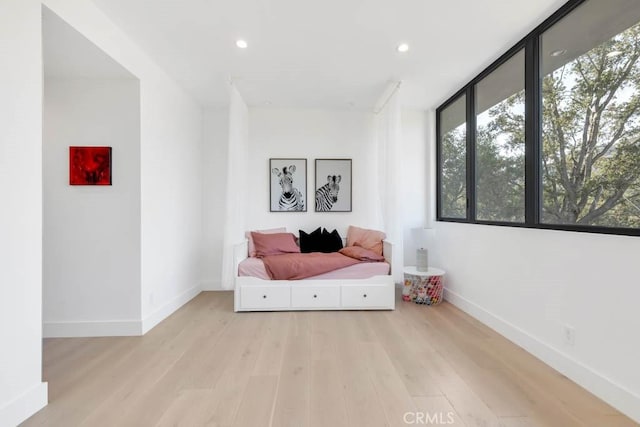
pixel 363 286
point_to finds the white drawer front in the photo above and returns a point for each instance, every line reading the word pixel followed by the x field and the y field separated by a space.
pixel 265 297
pixel 367 296
pixel 315 297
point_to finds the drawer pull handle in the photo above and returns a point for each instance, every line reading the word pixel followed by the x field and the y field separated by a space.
pixel 264 296
pixel 315 296
pixel 365 295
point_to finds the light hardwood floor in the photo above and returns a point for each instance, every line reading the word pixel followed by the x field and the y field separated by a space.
pixel 206 365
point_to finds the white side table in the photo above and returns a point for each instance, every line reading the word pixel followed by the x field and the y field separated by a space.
pixel 423 287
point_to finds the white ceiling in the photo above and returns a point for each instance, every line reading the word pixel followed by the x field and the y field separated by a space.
pixel 329 53
pixel 67 53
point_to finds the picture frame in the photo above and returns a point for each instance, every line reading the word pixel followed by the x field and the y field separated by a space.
pixel 287 185
pixel 333 185
pixel 90 165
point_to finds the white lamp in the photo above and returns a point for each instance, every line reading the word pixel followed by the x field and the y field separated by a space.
pixel 422 237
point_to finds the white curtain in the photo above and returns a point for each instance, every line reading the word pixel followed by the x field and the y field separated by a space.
pixel 237 171
pixel 388 137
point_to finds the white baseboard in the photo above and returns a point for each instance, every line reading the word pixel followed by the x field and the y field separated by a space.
pixel 22 407
pixel 77 329
pixel 167 309
pixel 614 394
pixel 212 285
pixel 117 328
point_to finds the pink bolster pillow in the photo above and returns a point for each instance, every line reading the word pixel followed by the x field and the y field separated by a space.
pixel 360 253
pixel 274 244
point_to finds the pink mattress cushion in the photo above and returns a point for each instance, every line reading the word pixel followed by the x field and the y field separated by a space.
pixel 274 244
pixel 361 254
pixel 252 247
pixel 365 238
pixel 254 267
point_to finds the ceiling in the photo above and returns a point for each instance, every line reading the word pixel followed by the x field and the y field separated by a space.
pixel 325 54
pixel 67 53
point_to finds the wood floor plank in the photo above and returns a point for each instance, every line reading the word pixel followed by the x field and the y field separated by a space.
pixel 499 393
pixel 533 373
pixel 75 403
pixel 229 390
pixel 495 388
pixel 435 410
pixel 233 340
pixel 615 420
pixel 442 372
pixel 403 319
pixel 143 390
pixel 57 352
pixel 208 366
pixel 187 409
pixel 144 411
pixel 292 399
pixel 117 365
pixel 471 408
pixel 394 397
pixel 493 381
pixel 322 337
pixel 65 372
pixel 269 360
pixel 257 402
pixel 405 358
pixel 326 395
pixel 363 405
pixel 517 422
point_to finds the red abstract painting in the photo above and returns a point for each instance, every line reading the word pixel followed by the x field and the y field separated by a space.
pixel 90 165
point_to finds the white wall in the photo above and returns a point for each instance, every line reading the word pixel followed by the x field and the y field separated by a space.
pixel 414 177
pixel 214 160
pixel 170 152
pixel 527 284
pixel 21 390
pixel 310 134
pixel 171 200
pixel 91 235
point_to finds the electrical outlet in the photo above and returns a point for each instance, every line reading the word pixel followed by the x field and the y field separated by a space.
pixel 151 298
pixel 569 334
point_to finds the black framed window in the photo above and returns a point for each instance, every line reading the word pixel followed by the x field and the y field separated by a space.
pixel 499 143
pixel 453 167
pixel 591 116
pixel 550 135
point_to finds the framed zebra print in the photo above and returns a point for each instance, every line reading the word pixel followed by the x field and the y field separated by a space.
pixel 288 185
pixel 333 185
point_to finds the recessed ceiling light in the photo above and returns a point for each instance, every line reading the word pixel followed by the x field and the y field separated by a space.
pixel 403 47
pixel 614 54
pixel 242 44
pixel 558 52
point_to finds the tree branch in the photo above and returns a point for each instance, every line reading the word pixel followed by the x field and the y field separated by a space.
pixel 606 206
pixel 617 134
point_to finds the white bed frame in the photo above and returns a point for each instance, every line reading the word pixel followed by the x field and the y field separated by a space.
pixel 254 294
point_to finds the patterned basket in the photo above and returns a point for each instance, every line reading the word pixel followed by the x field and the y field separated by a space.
pixel 423 290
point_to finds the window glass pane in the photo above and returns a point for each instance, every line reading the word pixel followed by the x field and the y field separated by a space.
pixel 499 99
pixel 591 116
pixel 453 149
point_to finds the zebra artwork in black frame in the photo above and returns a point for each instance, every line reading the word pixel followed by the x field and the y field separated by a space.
pixel 288 185
pixel 333 185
